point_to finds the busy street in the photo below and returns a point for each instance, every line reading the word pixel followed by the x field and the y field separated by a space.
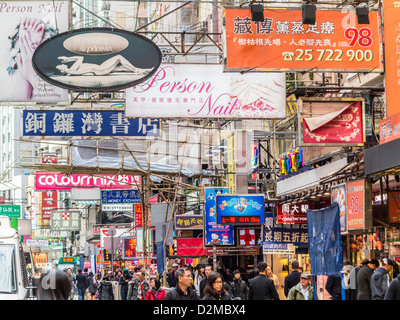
pixel 199 151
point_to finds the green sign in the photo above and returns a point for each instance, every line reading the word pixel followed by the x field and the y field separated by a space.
pixel 65 220
pixel 68 260
pixel 10 210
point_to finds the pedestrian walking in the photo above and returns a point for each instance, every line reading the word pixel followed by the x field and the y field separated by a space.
pixel 82 284
pixel 293 278
pixel 273 277
pixel 364 280
pixel 183 289
pixel 105 290
pixel 352 293
pixel 238 288
pixel 214 289
pixel 93 284
pixel 137 288
pixel 72 279
pixel 303 290
pixel 199 275
pixel 207 271
pixel 393 292
pixel 54 285
pixel 261 287
pixel 171 277
pixel 124 283
pixel 155 292
pixel 380 280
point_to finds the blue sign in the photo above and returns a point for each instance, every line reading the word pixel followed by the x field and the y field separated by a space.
pixel 274 233
pixel 94 123
pixel 240 209
pixel 215 232
pixel 120 196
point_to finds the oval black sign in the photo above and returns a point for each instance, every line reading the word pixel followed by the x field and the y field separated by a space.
pixel 96 59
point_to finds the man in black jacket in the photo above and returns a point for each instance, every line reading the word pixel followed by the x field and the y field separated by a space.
pixel 238 289
pixel 82 283
pixel 262 287
pixel 293 278
pixel 183 289
pixel 364 278
pixel 202 284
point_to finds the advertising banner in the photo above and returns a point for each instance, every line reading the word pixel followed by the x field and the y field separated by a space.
pixel 50 181
pixel 389 128
pixel 193 91
pixel 93 123
pixel 240 209
pixel 334 43
pixel 391 25
pixel 338 194
pixel 96 59
pixel 24 26
pixel 334 122
pixel 293 213
pixel 355 204
pixel 120 196
pixel 49 203
pixel 190 247
pixel 215 233
pixel 188 222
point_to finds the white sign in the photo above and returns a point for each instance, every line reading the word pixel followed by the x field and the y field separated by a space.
pixel 117 207
pixel 48 233
pixel 24 26
pixel 104 234
pixel 199 91
pixel 37 243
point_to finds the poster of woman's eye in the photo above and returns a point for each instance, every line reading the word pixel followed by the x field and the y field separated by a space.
pixel 24 26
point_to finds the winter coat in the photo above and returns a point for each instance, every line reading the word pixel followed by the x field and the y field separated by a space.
pixel 133 290
pixel 202 286
pixel 262 288
pixel 393 292
pixel 92 287
pixel 197 279
pixel 334 287
pixel 291 280
pixel 105 291
pixel 123 282
pixel 151 294
pixel 171 279
pixel 218 296
pixel 363 283
pixel 239 289
pixel 177 294
pixel 82 281
pixel 295 293
pixel 380 280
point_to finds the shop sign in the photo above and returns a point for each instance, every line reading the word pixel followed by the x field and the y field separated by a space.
pixel 138 215
pixel 190 247
pixel 278 248
pixel 123 207
pixel 235 251
pixel 51 181
pixel 37 243
pixel 394 206
pixel 338 194
pixel 48 233
pixel 49 203
pixel 104 234
pixel 240 209
pixel 274 233
pixel 68 220
pixel 332 122
pixel 193 91
pixel 355 204
pixel 10 210
pixel 293 212
pixel 389 128
pixel 96 59
pixel 187 222
pixel 334 43
pixel 120 196
pixel 93 123
pixel 215 233
pixel 247 236
pixel 129 248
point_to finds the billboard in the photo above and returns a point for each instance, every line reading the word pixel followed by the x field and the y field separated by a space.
pixel 293 212
pixel 283 43
pixel 240 209
pixel 96 59
pixel 93 123
pixel 332 122
pixel 193 91
pixel 24 26
pixel 120 196
pixel 389 128
pixel 355 205
pixel 68 220
pixel 338 194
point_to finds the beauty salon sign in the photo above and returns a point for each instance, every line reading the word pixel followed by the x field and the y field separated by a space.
pixel 198 91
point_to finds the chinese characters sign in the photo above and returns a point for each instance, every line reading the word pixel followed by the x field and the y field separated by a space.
pixel 11 211
pixel 389 128
pixel 355 204
pixel 49 203
pixel 67 220
pixel 294 213
pixel 240 209
pixel 95 123
pixel 129 247
pixel 120 196
pixel 281 42
pixel 183 222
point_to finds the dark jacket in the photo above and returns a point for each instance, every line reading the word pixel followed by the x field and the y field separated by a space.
pixel 202 285
pixel 177 294
pixel 363 283
pixel 218 296
pixel 123 282
pixel 133 290
pixel 105 291
pixel 291 280
pixel 380 280
pixel 262 288
pixel 334 287
pixel 393 292
pixel 239 289
pixel 92 287
pixel 171 279
pixel 82 281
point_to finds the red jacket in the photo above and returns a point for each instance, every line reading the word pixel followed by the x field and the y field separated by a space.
pixel 150 295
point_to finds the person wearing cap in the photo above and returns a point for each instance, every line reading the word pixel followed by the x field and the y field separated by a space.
pixel 381 279
pixel 303 290
pixel 171 278
pixel 123 282
pixel 238 289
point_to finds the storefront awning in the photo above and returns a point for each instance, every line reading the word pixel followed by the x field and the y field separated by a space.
pixel 383 159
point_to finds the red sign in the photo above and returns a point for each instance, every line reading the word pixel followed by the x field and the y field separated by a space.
pixel 49 203
pixel 247 237
pixel 332 122
pixel 49 158
pixel 389 128
pixel 138 215
pixel 129 248
pixel 294 213
pixel 355 204
pixel 190 247
pixel 238 220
